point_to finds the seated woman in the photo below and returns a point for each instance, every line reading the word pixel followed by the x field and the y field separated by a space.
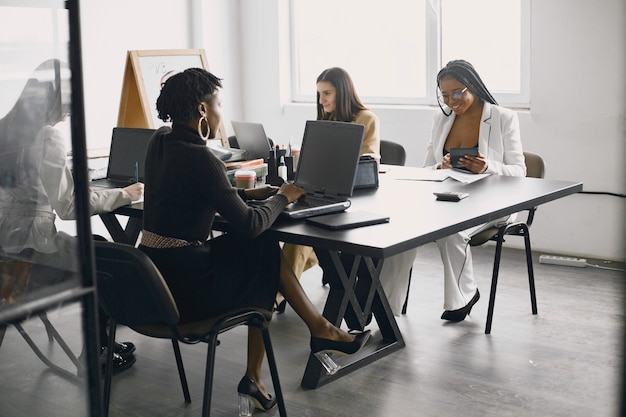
pixel 336 100
pixel 186 185
pixel 36 186
pixel 470 118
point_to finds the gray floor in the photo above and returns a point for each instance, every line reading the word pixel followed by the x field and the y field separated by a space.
pixel 566 361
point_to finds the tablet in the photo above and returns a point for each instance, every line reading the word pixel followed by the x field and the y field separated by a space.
pixel 456 153
pixel 347 220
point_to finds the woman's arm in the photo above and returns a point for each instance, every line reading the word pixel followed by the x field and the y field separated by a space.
pixel 512 162
pixel 371 136
pixel 58 182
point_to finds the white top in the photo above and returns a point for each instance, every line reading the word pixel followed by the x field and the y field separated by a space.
pixel 45 188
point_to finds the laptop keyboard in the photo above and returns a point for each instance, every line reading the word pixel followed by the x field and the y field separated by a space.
pixel 311 201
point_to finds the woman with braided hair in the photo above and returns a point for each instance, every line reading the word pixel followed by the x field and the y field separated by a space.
pixel 470 118
pixel 186 185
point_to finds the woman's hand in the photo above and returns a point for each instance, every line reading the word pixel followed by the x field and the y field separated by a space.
pixel 292 192
pixel 260 193
pixel 445 162
pixel 135 191
pixel 476 164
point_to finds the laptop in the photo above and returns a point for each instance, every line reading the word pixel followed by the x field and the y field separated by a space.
pixel 252 138
pixel 329 157
pixel 126 158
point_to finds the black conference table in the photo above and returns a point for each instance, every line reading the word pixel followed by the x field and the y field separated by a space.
pixel 352 259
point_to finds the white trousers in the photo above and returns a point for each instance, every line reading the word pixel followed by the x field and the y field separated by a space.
pixel 458 270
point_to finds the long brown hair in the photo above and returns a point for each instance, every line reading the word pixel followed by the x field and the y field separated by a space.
pixel 348 103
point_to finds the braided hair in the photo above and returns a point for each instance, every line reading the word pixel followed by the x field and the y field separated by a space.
pixel 464 72
pixel 181 93
pixel 347 102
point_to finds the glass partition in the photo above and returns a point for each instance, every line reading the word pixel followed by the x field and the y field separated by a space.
pixel 42 279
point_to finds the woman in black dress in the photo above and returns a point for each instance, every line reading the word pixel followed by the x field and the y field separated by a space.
pixel 185 186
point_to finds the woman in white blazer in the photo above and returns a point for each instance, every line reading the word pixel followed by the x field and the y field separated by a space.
pixel 470 117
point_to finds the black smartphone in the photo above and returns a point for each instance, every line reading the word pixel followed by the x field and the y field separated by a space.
pixel 451 196
pixel 456 153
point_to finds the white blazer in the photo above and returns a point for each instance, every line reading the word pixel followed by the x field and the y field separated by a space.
pixel 498 139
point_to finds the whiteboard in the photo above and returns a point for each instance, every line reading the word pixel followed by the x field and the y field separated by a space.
pixel 156 68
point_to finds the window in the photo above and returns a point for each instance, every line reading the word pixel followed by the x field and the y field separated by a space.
pixel 394 49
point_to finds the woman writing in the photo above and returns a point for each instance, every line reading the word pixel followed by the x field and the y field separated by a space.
pixel 186 185
pixel 337 100
pixel 470 118
pixel 36 186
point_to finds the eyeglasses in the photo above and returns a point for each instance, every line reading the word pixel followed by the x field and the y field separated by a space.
pixel 456 95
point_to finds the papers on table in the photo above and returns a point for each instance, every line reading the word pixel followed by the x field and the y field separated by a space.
pixel 428 174
pixel 464 177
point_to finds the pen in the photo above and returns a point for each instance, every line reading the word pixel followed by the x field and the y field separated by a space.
pixel 136 171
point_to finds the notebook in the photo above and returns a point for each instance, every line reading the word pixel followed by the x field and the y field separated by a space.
pixel 126 158
pixel 252 138
pixel 327 168
pixel 348 220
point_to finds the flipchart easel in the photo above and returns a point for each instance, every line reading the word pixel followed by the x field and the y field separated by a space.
pixel 143 75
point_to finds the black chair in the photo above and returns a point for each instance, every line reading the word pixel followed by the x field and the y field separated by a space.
pixel 535 168
pixel 392 153
pixel 133 293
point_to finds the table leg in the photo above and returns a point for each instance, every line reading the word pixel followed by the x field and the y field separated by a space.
pixel 355 296
pixel 128 235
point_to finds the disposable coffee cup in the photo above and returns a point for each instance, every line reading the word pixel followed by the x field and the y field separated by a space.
pixel 295 153
pixel 245 179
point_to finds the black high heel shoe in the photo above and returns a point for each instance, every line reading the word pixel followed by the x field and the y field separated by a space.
pixel 280 307
pixel 323 348
pixel 461 313
pixel 319 345
pixel 249 391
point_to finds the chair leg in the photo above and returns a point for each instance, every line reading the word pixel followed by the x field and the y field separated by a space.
pixel 3 330
pixel 43 357
pixel 408 288
pixel 54 335
pixel 269 351
pixel 531 274
pixel 494 282
pixel 181 370
pixel 208 377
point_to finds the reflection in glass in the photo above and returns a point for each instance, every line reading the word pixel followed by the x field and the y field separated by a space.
pixel 34 184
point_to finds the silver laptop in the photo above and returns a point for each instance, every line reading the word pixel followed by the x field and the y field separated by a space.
pixel 126 158
pixel 252 138
pixel 329 157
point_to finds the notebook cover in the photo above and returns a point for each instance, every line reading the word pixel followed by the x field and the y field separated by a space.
pixel 347 220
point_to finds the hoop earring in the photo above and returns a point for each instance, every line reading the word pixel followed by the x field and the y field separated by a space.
pixel 208 128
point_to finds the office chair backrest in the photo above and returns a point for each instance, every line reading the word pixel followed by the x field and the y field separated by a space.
pixel 535 166
pixel 130 287
pixel 392 153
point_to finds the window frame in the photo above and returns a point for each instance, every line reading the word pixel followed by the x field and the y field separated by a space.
pixel 433 22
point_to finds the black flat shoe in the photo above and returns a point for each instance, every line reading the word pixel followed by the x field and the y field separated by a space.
pixel 319 344
pixel 120 363
pixel 124 348
pixel 248 390
pixel 461 313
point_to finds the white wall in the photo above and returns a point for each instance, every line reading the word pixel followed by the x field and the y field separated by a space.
pixel 576 120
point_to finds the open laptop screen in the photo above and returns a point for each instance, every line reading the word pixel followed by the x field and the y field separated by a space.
pixel 128 145
pixel 329 156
